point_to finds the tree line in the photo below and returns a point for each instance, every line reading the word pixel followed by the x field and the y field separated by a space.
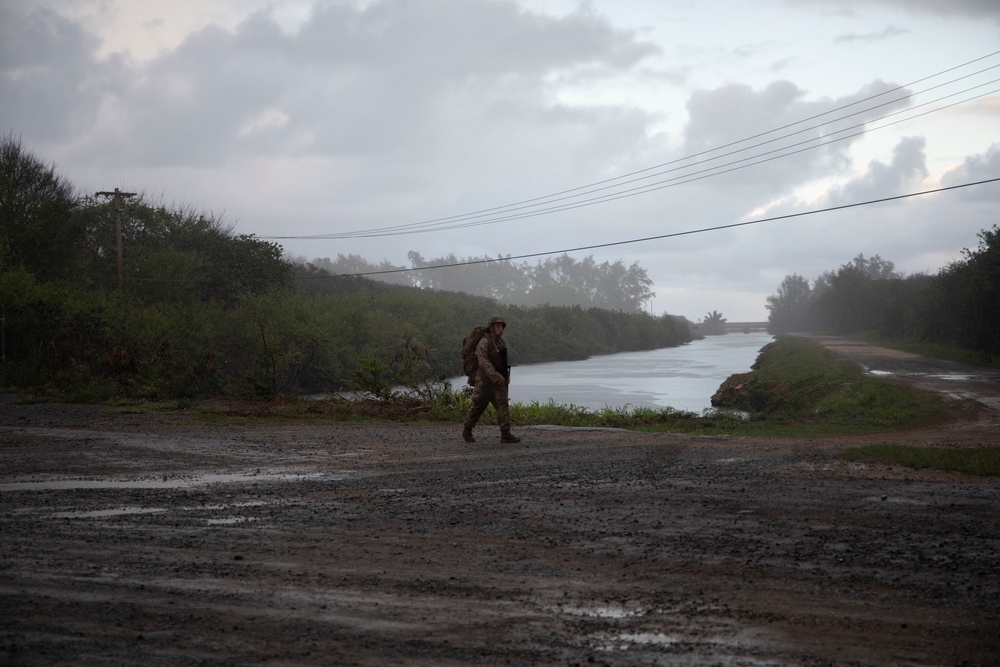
pixel 208 312
pixel 959 306
pixel 556 281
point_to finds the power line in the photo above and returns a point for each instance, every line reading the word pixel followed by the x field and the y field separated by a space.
pixel 454 222
pixel 457 221
pixel 660 236
pixel 684 179
pixel 718 170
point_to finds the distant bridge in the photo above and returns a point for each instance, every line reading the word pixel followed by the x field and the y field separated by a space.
pixel 746 327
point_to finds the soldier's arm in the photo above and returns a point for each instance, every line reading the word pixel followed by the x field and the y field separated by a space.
pixel 482 354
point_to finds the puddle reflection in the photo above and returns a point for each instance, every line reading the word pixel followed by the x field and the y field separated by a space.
pixel 624 641
pixel 124 511
pixel 168 482
pixel 601 612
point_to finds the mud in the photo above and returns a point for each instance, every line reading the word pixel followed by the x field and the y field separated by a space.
pixel 158 540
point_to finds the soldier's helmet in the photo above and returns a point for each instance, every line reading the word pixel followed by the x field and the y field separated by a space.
pixel 496 319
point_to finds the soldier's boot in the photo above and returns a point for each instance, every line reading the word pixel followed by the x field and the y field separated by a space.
pixel 507 436
pixel 467 434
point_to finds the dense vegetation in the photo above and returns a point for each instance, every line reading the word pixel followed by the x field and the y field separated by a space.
pixel 206 312
pixel 867 297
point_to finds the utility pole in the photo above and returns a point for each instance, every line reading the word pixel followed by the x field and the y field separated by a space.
pixel 118 194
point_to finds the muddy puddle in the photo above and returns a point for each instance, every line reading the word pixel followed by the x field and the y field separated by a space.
pixel 133 510
pixel 953 377
pixel 168 482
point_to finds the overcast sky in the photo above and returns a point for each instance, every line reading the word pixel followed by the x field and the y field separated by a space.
pixel 300 118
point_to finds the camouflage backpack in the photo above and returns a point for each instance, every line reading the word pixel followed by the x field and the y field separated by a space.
pixel 470 364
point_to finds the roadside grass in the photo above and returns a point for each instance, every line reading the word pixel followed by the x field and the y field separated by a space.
pixel 984 462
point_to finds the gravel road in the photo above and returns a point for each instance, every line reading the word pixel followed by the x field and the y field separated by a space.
pixel 130 539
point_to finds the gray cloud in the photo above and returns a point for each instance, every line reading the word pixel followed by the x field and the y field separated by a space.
pixel 907 168
pixel 976 168
pixel 971 8
pixel 352 82
pixel 730 113
pixel 886 33
pixel 919 234
pixel 47 70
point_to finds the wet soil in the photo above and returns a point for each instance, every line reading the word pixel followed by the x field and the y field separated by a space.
pixel 160 540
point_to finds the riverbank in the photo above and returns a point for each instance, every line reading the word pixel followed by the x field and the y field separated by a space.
pixel 683 377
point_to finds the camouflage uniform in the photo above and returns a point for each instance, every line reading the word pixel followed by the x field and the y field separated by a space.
pixel 490 384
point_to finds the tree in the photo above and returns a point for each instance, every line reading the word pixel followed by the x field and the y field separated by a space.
pixel 562 281
pixel 714 324
pixel 873 268
pixel 958 306
pixel 38 228
pixel 963 301
pixel 179 254
pixel 556 281
pixel 621 288
pixel 853 298
pixel 789 306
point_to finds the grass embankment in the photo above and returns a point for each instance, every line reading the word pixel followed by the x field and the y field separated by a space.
pixel 797 388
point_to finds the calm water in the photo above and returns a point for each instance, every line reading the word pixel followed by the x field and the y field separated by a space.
pixel 683 377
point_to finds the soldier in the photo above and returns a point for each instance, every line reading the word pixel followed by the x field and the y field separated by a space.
pixel 491 381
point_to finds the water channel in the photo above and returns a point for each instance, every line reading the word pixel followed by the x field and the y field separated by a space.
pixel 683 378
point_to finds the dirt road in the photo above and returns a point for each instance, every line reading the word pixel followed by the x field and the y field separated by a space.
pixel 131 539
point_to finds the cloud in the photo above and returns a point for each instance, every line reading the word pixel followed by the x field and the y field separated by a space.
pixel 975 168
pixel 900 176
pixel 731 113
pixel 46 65
pixel 919 234
pixel 970 8
pixel 351 82
pixel 886 33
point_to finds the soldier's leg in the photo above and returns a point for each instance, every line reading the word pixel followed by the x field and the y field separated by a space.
pixel 500 402
pixel 480 399
pixel 502 405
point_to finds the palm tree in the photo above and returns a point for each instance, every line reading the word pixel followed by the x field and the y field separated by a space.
pixel 714 324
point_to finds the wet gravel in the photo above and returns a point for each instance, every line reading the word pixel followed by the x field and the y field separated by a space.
pixel 159 540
